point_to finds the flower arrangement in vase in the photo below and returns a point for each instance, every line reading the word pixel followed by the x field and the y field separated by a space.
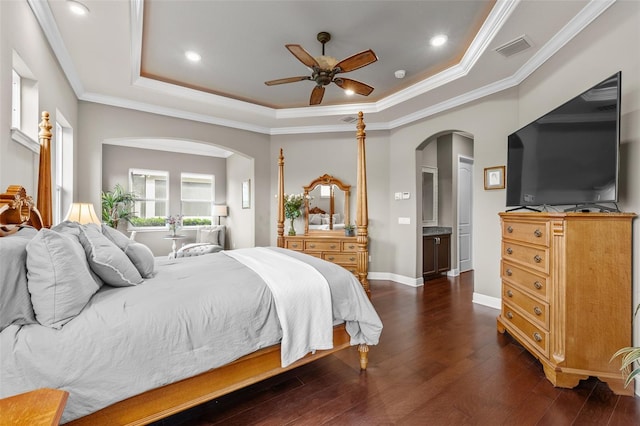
pixel 292 205
pixel 174 223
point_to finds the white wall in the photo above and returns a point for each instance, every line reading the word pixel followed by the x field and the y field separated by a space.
pixel 241 221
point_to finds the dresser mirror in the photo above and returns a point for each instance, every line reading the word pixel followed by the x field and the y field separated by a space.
pixel 326 205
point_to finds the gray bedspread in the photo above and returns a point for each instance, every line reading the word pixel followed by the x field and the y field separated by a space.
pixel 196 314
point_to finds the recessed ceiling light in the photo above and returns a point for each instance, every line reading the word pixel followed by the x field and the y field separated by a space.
pixel 192 56
pixel 438 40
pixel 77 7
pixel 400 73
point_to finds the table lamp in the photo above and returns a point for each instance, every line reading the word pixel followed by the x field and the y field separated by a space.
pixel 82 213
pixel 220 211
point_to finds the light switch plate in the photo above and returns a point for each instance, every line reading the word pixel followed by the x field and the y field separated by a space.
pixel 404 220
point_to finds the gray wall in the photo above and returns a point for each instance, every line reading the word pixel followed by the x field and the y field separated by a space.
pixel 604 47
pixel 117 160
pixel 20 31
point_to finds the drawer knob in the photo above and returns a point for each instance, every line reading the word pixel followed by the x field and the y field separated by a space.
pixel 537 258
pixel 509 272
pixel 352 259
pixel 509 229
pixel 537 311
pixel 537 233
pixel 331 258
pixel 312 245
pixel 294 245
pixel 509 250
pixel 351 247
pixel 509 293
pixel 509 315
pixel 537 337
pixel 332 246
pixel 537 285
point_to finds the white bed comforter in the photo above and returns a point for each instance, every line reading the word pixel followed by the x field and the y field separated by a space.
pixel 196 314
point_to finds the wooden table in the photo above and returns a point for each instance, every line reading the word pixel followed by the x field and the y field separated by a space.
pixel 35 408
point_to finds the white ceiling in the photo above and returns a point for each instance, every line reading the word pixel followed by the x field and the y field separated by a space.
pixel 130 53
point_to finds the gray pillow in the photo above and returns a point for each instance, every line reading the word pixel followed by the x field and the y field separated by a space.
pixel 106 259
pixel 15 301
pixel 140 255
pixel 58 277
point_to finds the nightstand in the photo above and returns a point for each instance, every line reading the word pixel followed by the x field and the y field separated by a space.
pixel 35 408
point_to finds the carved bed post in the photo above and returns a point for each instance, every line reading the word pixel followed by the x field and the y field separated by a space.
pixel 44 171
pixel 281 200
pixel 362 213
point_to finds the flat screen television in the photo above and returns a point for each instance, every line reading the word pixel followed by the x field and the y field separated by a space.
pixel 570 155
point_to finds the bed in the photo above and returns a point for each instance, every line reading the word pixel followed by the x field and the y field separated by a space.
pixel 166 349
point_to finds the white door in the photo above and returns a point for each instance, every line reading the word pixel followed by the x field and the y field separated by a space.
pixel 465 208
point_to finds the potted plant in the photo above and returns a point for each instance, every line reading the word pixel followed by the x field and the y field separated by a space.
pixel 292 205
pixel 349 230
pixel 117 205
pixel 630 357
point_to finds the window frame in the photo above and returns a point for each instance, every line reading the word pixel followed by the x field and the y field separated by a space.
pixel 140 171
pixel 211 201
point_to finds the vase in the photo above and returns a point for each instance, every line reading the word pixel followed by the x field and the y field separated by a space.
pixel 292 229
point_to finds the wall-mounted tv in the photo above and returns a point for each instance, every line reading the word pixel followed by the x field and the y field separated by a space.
pixel 570 155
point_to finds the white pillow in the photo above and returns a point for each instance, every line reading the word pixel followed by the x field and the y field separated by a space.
pixel 315 219
pixel 59 278
pixel 106 259
pixel 208 235
pixel 140 255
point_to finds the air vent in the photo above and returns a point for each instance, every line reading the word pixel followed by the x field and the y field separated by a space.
pixel 349 119
pixel 514 46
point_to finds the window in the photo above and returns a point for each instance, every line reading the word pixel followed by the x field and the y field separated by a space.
pixel 24 105
pixel 16 99
pixel 152 196
pixel 62 145
pixel 196 199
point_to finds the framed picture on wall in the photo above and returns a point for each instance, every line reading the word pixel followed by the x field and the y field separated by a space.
pixel 246 194
pixel 494 177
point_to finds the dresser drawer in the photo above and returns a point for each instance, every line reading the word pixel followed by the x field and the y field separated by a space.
pixel 533 257
pixel 322 245
pixel 294 244
pixel 341 258
pixel 349 246
pixel 529 232
pixel 536 310
pixel 534 335
pixel 537 284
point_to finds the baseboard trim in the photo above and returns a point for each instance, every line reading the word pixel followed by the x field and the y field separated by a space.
pixel 484 300
pixel 401 279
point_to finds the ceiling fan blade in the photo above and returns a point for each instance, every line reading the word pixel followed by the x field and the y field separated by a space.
pixel 302 55
pixel 316 95
pixel 356 86
pixel 287 80
pixel 356 61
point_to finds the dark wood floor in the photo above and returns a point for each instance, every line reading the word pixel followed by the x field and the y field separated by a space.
pixel 440 361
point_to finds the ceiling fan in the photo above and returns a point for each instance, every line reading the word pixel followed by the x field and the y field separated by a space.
pixel 324 70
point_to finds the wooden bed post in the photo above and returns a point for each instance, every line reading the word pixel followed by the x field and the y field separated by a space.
pixel 362 213
pixel 281 199
pixel 44 171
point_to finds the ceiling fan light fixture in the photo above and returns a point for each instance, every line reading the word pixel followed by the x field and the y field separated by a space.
pixel 349 92
pixel 438 40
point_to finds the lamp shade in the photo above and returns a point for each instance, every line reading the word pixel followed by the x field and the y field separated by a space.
pixel 220 211
pixel 82 213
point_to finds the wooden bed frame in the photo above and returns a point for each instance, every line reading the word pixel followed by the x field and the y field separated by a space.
pixel 17 209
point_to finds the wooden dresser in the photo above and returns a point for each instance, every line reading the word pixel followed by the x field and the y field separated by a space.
pixel 331 247
pixel 566 292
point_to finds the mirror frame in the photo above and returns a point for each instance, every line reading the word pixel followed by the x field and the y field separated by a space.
pixel 327 180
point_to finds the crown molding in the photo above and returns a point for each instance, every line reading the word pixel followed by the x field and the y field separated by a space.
pixel 494 22
pixel 44 16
